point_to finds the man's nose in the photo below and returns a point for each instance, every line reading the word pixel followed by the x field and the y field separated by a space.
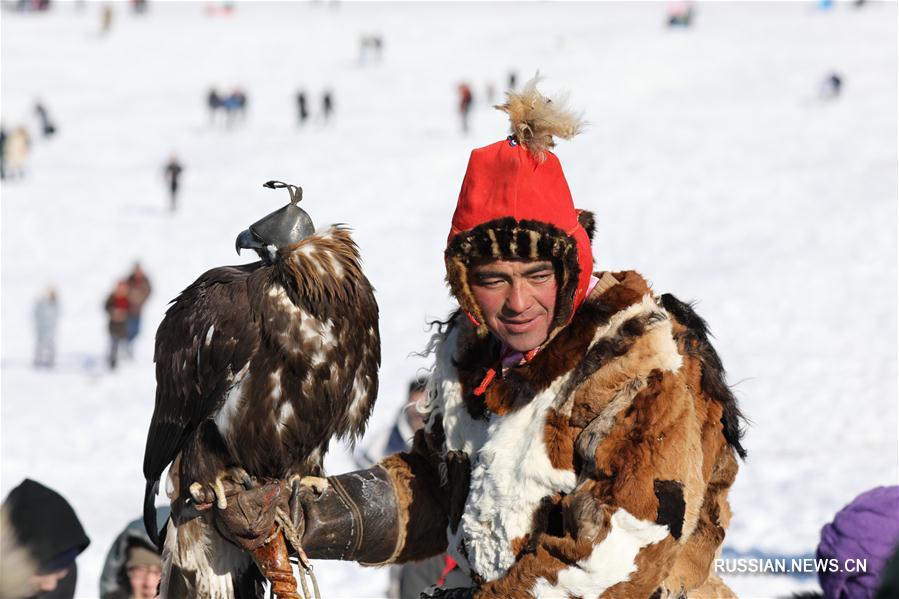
pixel 516 301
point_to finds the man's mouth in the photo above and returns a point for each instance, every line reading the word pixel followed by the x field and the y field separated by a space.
pixel 518 325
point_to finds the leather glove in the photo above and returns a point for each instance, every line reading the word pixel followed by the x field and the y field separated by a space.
pixel 356 518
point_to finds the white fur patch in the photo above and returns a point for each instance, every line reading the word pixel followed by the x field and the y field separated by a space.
pixel 612 560
pixel 511 470
pixel 511 474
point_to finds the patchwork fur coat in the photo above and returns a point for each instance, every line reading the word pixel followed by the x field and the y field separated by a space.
pixel 600 468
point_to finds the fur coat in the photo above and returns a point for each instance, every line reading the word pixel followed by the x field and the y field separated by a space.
pixel 600 468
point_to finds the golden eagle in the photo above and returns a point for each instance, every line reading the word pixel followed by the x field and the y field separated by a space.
pixel 258 367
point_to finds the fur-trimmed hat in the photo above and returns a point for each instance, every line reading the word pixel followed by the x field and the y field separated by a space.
pixel 515 205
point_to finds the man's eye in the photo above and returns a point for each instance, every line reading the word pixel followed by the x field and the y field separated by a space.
pixel 491 283
pixel 542 277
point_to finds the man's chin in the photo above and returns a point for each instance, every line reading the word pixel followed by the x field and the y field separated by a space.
pixel 523 342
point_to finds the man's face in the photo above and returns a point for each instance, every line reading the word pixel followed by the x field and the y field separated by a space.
pixel 517 299
pixel 48 582
pixel 144 581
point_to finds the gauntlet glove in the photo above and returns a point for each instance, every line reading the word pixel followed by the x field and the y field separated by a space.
pixel 355 517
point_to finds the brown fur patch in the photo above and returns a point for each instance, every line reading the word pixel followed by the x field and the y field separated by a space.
pixel 712 588
pixel 559 441
pixel 422 508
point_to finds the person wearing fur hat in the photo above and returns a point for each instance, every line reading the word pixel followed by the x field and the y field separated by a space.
pixel 580 437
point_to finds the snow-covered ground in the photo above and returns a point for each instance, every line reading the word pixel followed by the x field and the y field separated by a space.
pixel 711 165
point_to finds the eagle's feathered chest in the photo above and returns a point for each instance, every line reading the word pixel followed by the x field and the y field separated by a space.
pixel 287 402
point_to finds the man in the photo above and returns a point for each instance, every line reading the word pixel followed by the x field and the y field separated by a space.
pixel 580 438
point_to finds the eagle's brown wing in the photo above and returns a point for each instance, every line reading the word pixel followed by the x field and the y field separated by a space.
pixel 208 334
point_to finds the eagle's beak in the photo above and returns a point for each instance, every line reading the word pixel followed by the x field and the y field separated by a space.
pixel 246 240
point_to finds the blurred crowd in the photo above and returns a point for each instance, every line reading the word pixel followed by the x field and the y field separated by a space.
pixel 123 306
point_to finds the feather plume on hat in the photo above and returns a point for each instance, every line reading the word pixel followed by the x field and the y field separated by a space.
pixel 536 119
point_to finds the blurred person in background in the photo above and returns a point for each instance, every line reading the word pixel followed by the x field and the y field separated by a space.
pixel 235 106
pixel 679 14
pixel 47 126
pixel 830 87
pixel 15 152
pixel 106 16
pixel 513 79
pixel 327 106
pixel 302 108
pixel 133 566
pixel 465 101
pixel 409 580
pixel 213 103
pixel 172 173
pixel 42 536
pixel 46 315
pixel 2 152
pixel 139 290
pixel 117 307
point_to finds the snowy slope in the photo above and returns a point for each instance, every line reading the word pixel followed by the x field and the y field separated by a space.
pixel 711 166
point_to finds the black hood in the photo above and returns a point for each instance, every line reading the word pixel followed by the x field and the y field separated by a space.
pixel 46 524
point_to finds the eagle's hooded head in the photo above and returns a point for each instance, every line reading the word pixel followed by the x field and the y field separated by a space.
pixel 283 227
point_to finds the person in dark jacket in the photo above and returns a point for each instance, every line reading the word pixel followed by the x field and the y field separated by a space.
pixel 172 172
pixel 45 524
pixel 47 126
pixel 302 108
pixel 133 566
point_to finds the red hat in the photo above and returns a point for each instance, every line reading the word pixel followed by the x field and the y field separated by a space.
pixel 515 205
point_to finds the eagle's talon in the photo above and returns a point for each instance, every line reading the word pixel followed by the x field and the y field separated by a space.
pixel 197 493
pixel 240 475
pixel 318 483
pixel 221 501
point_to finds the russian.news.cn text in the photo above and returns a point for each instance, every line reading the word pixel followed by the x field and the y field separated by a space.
pixel 810 565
